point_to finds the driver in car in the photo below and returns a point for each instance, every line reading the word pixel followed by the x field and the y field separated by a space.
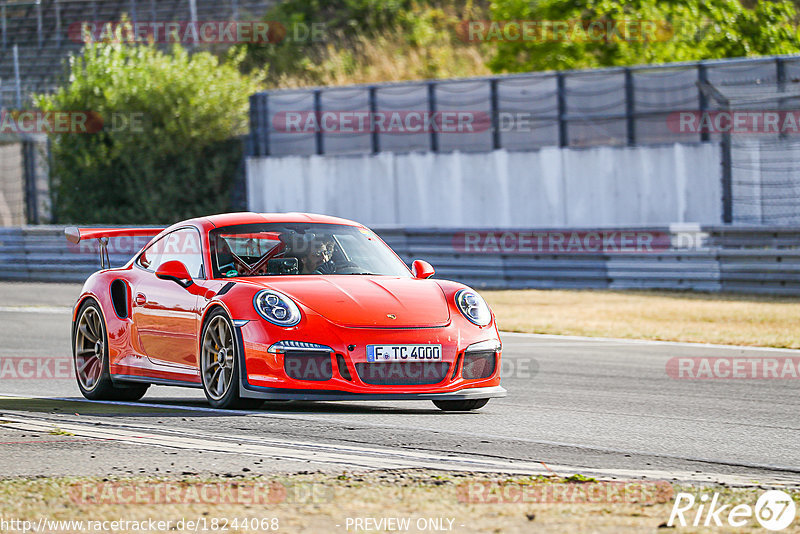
pixel 318 257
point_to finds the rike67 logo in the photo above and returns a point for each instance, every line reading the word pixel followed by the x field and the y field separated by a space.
pixel 774 510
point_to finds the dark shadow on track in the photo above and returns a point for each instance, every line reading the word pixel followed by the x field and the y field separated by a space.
pixel 171 407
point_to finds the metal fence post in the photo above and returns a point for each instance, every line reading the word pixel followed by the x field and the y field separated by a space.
pixel 561 86
pixel 630 107
pixel 133 10
pixel 702 78
pixel 780 72
pixel 259 124
pixel 39 30
pixel 727 179
pixel 3 25
pixel 318 113
pixel 57 6
pixel 373 110
pixel 51 183
pixel 432 110
pixel 239 188
pixel 495 107
pixel 29 163
pixel 17 78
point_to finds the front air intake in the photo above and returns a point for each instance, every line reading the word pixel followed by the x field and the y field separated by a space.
pixel 402 373
pixel 479 365
pixel 308 365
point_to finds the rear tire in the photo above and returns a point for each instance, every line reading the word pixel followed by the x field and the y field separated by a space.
pixel 219 364
pixel 460 405
pixel 90 358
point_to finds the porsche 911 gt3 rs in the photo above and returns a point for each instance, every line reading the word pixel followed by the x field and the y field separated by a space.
pixel 253 307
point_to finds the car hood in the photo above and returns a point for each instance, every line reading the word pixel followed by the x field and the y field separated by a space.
pixel 367 301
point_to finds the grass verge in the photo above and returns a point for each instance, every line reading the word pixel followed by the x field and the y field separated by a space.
pixel 656 315
pixel 314 502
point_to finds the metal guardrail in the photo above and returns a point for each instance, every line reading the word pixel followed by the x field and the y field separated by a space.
pixel 736 259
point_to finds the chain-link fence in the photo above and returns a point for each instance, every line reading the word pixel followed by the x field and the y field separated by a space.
pixel 45 32
pixel 758 120
pixel 616 106
pixel 646 105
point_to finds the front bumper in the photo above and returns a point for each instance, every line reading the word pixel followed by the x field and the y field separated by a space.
pixel 263 375
pixel 256 392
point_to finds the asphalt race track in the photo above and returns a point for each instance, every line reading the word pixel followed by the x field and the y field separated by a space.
pixel 601 407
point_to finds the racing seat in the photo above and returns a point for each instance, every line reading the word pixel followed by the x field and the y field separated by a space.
pixel 221 252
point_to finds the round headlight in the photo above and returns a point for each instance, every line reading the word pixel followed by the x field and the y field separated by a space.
pixel 473 307
pixel 276 308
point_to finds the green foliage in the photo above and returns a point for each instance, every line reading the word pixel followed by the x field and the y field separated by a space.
pixel 178 163
pixel 344 19
pixel 367 41
pixel 688 30
pixel 579 479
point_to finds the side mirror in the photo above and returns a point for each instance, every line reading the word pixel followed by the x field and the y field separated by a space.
pixel 422 269
pixel 175 271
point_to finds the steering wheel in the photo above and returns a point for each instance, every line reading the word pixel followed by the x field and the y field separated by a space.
pixel 348 268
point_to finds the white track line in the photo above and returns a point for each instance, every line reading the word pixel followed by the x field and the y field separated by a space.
pixel 351 456
pixel 321 453
pixel 468 435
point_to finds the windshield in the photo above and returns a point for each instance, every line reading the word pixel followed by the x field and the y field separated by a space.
pixel 277 249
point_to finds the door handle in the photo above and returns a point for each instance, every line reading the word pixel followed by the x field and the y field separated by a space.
pixel 140 299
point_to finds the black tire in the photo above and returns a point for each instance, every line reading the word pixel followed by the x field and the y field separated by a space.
pixel 227 398
pixel 90 326
pixel 460 405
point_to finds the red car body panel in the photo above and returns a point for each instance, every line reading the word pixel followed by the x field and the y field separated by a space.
pixel 156 338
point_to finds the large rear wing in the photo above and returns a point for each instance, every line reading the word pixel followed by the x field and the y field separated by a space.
pixel 76 235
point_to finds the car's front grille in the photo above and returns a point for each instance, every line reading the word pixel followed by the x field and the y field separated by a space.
pixel 478 365
pixel 402 373
pixel 308 365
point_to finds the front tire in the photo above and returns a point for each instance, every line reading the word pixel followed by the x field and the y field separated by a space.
pixel 219 364
pixel 90 356
pixel 460 405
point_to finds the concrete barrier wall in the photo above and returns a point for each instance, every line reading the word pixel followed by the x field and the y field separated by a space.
pixel 12 185
pixel 653 185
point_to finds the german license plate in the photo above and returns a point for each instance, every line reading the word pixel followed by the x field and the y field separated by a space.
pixel 404 353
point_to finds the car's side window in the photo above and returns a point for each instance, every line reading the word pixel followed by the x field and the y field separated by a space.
pixel 149 258
pixel 184 246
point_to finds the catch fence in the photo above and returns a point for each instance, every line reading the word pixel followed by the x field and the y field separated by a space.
pixel 625 106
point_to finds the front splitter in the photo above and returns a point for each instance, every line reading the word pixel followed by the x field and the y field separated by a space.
pixel 257 392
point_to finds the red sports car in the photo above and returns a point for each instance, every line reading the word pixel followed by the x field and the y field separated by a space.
pixel 253 307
